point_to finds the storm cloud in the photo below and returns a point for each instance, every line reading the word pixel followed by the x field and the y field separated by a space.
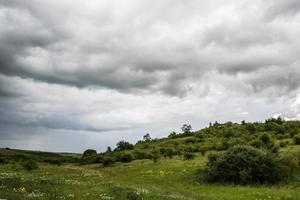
pixel 126 68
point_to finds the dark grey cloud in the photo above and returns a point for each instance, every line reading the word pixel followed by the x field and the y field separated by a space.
pixel 285 8
pixel 140 51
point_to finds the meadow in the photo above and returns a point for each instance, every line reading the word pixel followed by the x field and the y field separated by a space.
pixel 142 179
pixel 167 178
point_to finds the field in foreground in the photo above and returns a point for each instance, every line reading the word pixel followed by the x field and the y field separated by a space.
pixel 141 179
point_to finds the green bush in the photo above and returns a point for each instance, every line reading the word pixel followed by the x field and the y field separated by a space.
pixel 284 143
pixel 55 162
pixel 256 143
pixel 265 138
pixel 190 140
pixel 265 142
pixel 291 162
pixel 3 161
pixel 297 139
pixel 243 165
pixel 188 156
pixel 89 159
pixel 168 152
pixel 108 160
pixel 30 165
pixel 155 155
pixel 89 152
pixel 125 157
pixel 140 155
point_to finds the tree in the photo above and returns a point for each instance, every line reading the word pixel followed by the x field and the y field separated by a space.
pixel 123 145
pixel 89 152
pixel 186 128
pixel 108 150
pixel 172 134
pixel 147 137
pixel 216 123
pixel 155 155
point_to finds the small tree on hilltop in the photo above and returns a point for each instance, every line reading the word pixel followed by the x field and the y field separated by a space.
pixel 186 128
pixel 108 150
pixel 172 134
pixel 123 145
pixel 89 152
pixel 147 137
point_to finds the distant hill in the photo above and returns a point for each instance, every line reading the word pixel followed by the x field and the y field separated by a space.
pixel 19 155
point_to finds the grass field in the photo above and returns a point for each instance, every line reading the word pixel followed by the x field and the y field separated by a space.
pixel 141 179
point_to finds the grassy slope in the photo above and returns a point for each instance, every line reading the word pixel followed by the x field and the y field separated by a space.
pixel 169 179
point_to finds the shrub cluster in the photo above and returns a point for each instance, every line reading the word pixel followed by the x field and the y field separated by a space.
pixel 297 139
pixel 124 157
pixel 30 165
pixel 243 165
pixel 188 156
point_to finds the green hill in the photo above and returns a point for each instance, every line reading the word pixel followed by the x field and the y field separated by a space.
pixel 171 168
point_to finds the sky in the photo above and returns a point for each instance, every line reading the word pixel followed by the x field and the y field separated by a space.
pixel 78 74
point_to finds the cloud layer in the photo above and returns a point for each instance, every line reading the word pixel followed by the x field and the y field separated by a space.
pixel 125 68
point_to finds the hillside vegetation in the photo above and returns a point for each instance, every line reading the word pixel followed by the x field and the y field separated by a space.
pixel 227 161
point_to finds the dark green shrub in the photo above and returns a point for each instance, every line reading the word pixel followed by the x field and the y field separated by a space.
pixel 297 139
pixel 230 132
pixel 89 159
pixel 283 143
pixel 168 152
pixel 202 150
pixel 89 152
pixel 3 161
pixel 30 165
pixel 291 162
pixel 55 162
pixel 243 165
pixel 125 157
pixel 107 161
pixel 190 140
pixel 155 155
pixel 280 129
pixel 294 131
pixel 265 138
pixel 188 156
pixel 265 143
pixel 140 155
